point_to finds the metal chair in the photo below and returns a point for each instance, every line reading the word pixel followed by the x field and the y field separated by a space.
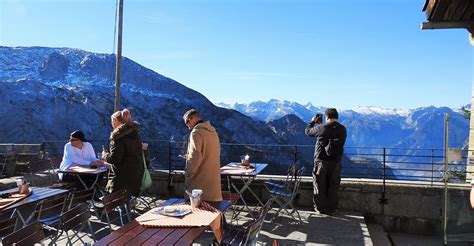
pixel 246 235
pixel 118 199
pixel 232 197
pixel 79 215
pixel 82 196
pixel 48 212
pixel 284 197
pixel 8 164
pixel 28 235
pixel 57 183
pixel 7 226
pixel 270 184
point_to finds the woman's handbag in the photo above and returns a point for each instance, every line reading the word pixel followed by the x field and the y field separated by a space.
pixel 146 179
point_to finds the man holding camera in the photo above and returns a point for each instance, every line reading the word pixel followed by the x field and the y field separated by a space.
pixel 329 149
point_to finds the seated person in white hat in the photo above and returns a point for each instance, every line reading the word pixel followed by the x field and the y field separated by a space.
pixel 78 152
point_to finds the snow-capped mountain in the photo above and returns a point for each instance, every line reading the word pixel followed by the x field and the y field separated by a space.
pixel 46 93
pixel 274 109
pixel 375 126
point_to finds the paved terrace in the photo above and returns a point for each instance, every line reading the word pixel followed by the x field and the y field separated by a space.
pixel 344 228
pixel 341 229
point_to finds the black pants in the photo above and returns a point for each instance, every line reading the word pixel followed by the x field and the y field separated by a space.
pixel 326 181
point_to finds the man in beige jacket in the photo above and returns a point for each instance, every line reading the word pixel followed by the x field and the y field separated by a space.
pixel 203 157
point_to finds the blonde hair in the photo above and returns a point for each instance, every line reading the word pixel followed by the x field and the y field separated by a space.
pixel 123 116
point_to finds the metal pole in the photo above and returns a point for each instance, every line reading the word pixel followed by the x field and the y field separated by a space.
pixel 384 167
pixel 445 213
pixel 170 177
pixel 296 153
pixel 384 200
pixel 432 166
pixel 118 58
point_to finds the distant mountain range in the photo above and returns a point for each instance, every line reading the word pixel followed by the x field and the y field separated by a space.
pixel 373 126
pixel 46 93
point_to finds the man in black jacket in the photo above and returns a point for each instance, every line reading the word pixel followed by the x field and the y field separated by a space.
pixel 329 148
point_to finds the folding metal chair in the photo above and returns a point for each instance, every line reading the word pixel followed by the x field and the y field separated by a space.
pixel 28 235
pixel 8 165
pixel 246 235
pixel 82 196
pixel 232 197
pixel 7 226
pixel 270 184
pixel 284 197
pixel 48 212
pixel 143 202
pixel 57 183
pixel 79 215
pixel 118 199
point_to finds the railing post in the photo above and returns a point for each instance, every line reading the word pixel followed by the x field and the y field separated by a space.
pixel 296 154
pixel 432 166
pixel 384 200
pixel 170 177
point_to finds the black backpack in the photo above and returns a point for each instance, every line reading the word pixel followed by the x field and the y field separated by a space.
pixel 334 148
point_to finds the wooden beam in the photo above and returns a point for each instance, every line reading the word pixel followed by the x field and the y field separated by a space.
pixel 447 25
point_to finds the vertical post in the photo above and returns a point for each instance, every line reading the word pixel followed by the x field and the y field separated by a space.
pixel 296 154
pixel 118 58
pixel 384 200
pixel 169 169
pixel 432 166
pixel 445 212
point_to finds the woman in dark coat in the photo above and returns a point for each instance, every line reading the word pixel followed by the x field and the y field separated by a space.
pixel 125 154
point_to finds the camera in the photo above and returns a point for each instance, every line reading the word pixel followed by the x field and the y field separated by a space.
pixel 319 118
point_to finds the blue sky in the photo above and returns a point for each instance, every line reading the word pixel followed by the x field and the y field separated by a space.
pixel 341 53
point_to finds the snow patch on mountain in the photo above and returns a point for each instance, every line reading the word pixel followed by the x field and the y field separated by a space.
pixel 381 111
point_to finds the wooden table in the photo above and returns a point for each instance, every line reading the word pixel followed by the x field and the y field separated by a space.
pixel 235 169
pixel 39 193
pixel 135 234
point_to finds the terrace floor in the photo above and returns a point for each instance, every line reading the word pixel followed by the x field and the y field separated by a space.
pixel 340 229
pixel 343 228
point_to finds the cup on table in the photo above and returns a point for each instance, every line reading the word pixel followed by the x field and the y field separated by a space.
pixel 22 186
pixel 195 198
pixel 244 160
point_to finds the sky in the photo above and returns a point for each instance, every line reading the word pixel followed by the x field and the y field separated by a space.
pixel 338 53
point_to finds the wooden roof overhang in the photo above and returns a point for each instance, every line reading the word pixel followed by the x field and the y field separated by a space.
pixel 445 14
